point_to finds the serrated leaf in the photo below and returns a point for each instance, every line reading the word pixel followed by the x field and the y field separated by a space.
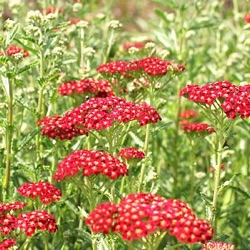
pixel 239 190
pixel 26 67
pixel 206 199
pixel 28 138
pixel 227 183
pixel 136 139
pixel 162 15
pixel 10 38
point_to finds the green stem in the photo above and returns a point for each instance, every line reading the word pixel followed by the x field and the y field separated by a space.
pixel 81 48
pixel 40 111
pixel 145 149
pixel 110 43
pixel 212 218
pixel 9 137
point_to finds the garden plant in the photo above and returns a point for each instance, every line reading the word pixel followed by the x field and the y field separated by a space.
pixel 124 125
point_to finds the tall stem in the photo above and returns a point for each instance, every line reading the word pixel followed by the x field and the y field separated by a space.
pixel 40 106
pixel 212 218
pixel 9 136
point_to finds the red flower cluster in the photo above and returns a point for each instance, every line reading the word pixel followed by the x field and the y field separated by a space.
pixel 90 162
pixel 128 45
pixel 100 88
pixel 97 114
pixel 188 114
pixel 7 223
pixel 40 219
pixel 46 191
pixel 56 126
pixel 74 20
pixel 218 246
pixel 198 128
pixel 141 214
pixel 53 9
pixel 247 18
pixel 152 66
pixel 12 50
pixel 11 206
pixel 6 244
pixel 131 153
pixel 233 100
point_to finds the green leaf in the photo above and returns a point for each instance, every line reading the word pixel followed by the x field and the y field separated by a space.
pixel 12 35
pixel 239 190
pixel 27 67
pixel 136 139
pixel 162 15
pixel 169 3
pixel 207 201
pixel 227 183
pixel 28 138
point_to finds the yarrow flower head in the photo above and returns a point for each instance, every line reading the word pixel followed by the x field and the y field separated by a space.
pixel 233 100
pixel 99 88
pixel 13 50
pixel 6 244
pixel 188 114
pixel 36 220
pixel 201 128
pixel 139 215
pixel 218 246
pixel 152 66
pixel 12 206
pixel 90 162
pixel 131 153
pixel 55 126
pixel 97 114
pixel 46 191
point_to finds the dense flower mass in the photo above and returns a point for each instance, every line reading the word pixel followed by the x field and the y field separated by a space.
pixel 56 126
pixel 90 162
pixel 188 114
pixel 7 223
pixel 6 207
pixel 12 50
pixel 131 153
pixel 6 244
pixel 36 220
pixel 97 114
pixel 218 246
pixel 198 128
pixel 46 191
pixel 138 45
pixel 152 66
pixel 139 215
pixel 100 88
pixel 233 100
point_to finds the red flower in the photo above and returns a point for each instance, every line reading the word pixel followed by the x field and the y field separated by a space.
pixel 198 128
pixel 141 214
pixel 36 220
pixel 11 206
pixel 100 88
pixel 233 100
pixel 128 45
pixel 74 20
pixel 97 114
pixel 56 126
pixel 6 244
pixel 7 223
pixel 247 18
pixel 218 246
pixel 46 191
pixel 112 68
pixel 12 50
pixel 188 114
pixel 53 9
pixel 131 153
pixel 90 162
pixel 101 219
